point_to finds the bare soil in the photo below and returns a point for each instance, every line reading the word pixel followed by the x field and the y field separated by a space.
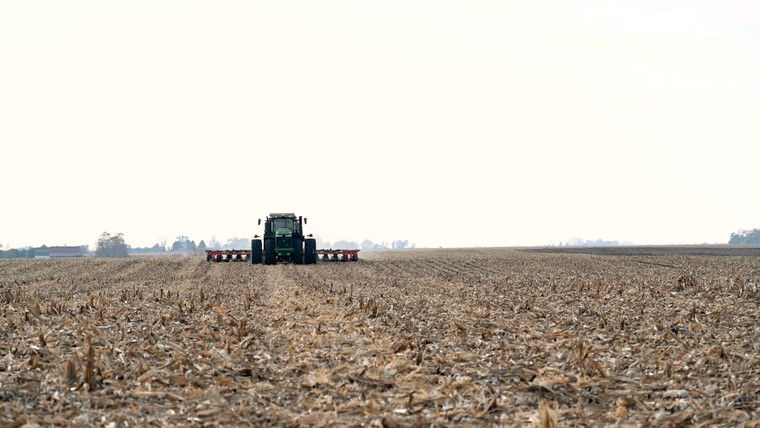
pixel 655 250
pixel 431 337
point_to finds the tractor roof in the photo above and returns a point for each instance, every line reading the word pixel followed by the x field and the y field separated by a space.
pixel 282 215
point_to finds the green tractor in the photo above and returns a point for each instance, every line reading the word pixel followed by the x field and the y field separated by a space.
pixel 284 241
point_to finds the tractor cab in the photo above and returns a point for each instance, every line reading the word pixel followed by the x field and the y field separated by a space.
pixel 283 224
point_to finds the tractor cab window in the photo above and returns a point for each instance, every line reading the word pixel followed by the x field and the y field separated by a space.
pixel 283 223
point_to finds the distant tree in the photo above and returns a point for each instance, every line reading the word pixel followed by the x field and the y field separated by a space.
pixel 237 243
pixel 322 244
pixel 180 243
pixel 578 242
pixel 214 244
pixel 345 245
pixel 399 245
pixel 13 253
pixel 84 249
pixel 368 245
pixel 17 253
pixel 156 248
pixel 111 246
pixel 201 247
pixel 745 237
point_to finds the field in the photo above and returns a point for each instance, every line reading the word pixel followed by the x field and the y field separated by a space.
pixel 430 337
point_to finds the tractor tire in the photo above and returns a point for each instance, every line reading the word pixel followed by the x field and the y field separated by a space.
pixel 297 256
pixel 208 257
pixel 310 246
pixel 270 256
pixel 218 258
pixel 255 251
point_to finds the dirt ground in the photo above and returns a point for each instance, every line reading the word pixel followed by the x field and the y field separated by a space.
pixel 656 250
pixel 428 337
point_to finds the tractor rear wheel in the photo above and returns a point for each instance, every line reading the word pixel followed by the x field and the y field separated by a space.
pixel 218 258
pixel 310 255
pixel 297 256
pixel 255 251
pixel 270 256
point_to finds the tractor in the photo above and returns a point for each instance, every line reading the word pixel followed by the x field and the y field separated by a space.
pixel 284 241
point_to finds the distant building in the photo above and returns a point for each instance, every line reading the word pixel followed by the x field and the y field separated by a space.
pixel 41 253
pixel 63 252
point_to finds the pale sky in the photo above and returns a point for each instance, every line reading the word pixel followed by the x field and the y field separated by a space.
pixel 445 123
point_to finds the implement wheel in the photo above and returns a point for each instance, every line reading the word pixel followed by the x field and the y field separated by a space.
pixel 218 258
pixel 310 254
pixel 255 251
pixel 270 256
pixel 297 256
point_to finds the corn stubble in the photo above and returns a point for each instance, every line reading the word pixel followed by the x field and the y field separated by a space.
pixel 400 338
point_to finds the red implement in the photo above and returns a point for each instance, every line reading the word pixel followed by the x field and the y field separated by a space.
pixel 338 255
pixel 245 255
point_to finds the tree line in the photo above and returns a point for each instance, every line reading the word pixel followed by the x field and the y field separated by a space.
pixel 115 246
pixel 745 237
pixel 111 246
pixel 395 245
pixel 31 252
pixel 183 244
pixel 17 253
